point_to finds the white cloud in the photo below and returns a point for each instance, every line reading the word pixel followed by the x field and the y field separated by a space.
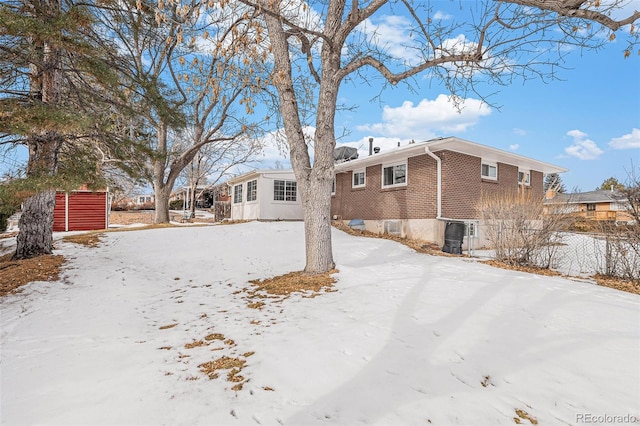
pixel 628 141
pixel 392 34
pixel 519 132
pixel 583 148
pixel 514 147
pixel 442 15
pixel 427 119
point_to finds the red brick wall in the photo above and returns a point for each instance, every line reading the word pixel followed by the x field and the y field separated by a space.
pixel 462 186
pixel 416 200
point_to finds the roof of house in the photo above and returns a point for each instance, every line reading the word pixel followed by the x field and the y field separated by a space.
pixel 487 153
pixel 256 173
pixel 589 197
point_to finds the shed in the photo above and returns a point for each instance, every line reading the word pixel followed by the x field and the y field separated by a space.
pixel 81 210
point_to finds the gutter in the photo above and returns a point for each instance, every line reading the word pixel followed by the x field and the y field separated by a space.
pixel 438 181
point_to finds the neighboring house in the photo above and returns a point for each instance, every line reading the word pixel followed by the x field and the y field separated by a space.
pixel 265 195
pixel 203 200
pixel 81 210
pixel 593 205
pixel 415 190
pixel 135 202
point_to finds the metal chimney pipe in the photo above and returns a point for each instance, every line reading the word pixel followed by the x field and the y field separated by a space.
pixel 370 146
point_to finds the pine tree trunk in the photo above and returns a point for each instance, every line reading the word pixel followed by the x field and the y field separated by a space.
pixel 36 226
pixel 35 237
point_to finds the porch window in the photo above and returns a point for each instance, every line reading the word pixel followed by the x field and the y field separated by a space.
pixel 252 190
pixel 285 190
pixel 489 170
pixel 237 194
pixel 394 175
pixel 358 179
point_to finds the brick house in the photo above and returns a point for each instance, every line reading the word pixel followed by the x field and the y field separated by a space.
pixel 414 190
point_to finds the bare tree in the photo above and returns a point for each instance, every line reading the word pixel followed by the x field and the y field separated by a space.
pixel 214 161
pixel 497 40
pixel 184 69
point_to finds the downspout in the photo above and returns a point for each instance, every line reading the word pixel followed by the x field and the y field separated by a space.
pixel 438 181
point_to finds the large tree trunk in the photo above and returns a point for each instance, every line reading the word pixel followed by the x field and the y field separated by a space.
pixel 314 183
pixel 36 226
pixel 162 193
pixel 35 237
pixel 316 209
pixel 161 188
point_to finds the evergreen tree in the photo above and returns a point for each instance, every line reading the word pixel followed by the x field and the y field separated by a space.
pixel 53 83
pixel 611 183
pixel 553 181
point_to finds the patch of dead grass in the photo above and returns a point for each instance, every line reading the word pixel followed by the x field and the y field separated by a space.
pixel 618 284
pixel 16 273
pixel 523 415
pixel 89 239
pixel 420 246
pixel 168 326
pixel 529 269
pixel 285 285
pixel 211 368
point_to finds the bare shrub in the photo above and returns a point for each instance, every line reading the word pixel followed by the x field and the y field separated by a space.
pixel 617 255
pixel 619 251
pixel 519 229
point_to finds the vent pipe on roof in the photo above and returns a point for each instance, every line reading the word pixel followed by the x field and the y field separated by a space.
pixel 370 146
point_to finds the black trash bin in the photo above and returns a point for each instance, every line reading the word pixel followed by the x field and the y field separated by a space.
pixel 453 237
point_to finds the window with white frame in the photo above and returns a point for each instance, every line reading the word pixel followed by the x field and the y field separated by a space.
pixel 524 177
pixel 252 190
pixel 358 179
pixel 237 194
pixel 394 175
pixel 489 170
pixel 285 190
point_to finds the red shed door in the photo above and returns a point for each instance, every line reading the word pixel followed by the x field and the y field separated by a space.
pixel 59 213
pixel 87 211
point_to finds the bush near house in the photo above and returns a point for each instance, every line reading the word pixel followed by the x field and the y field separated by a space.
pixel 519 230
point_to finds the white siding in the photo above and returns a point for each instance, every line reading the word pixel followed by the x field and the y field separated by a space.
pixel 266 208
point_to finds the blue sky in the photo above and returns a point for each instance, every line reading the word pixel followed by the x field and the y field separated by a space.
pixel 587 121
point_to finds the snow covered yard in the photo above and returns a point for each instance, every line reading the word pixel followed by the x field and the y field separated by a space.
pixel 407 338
